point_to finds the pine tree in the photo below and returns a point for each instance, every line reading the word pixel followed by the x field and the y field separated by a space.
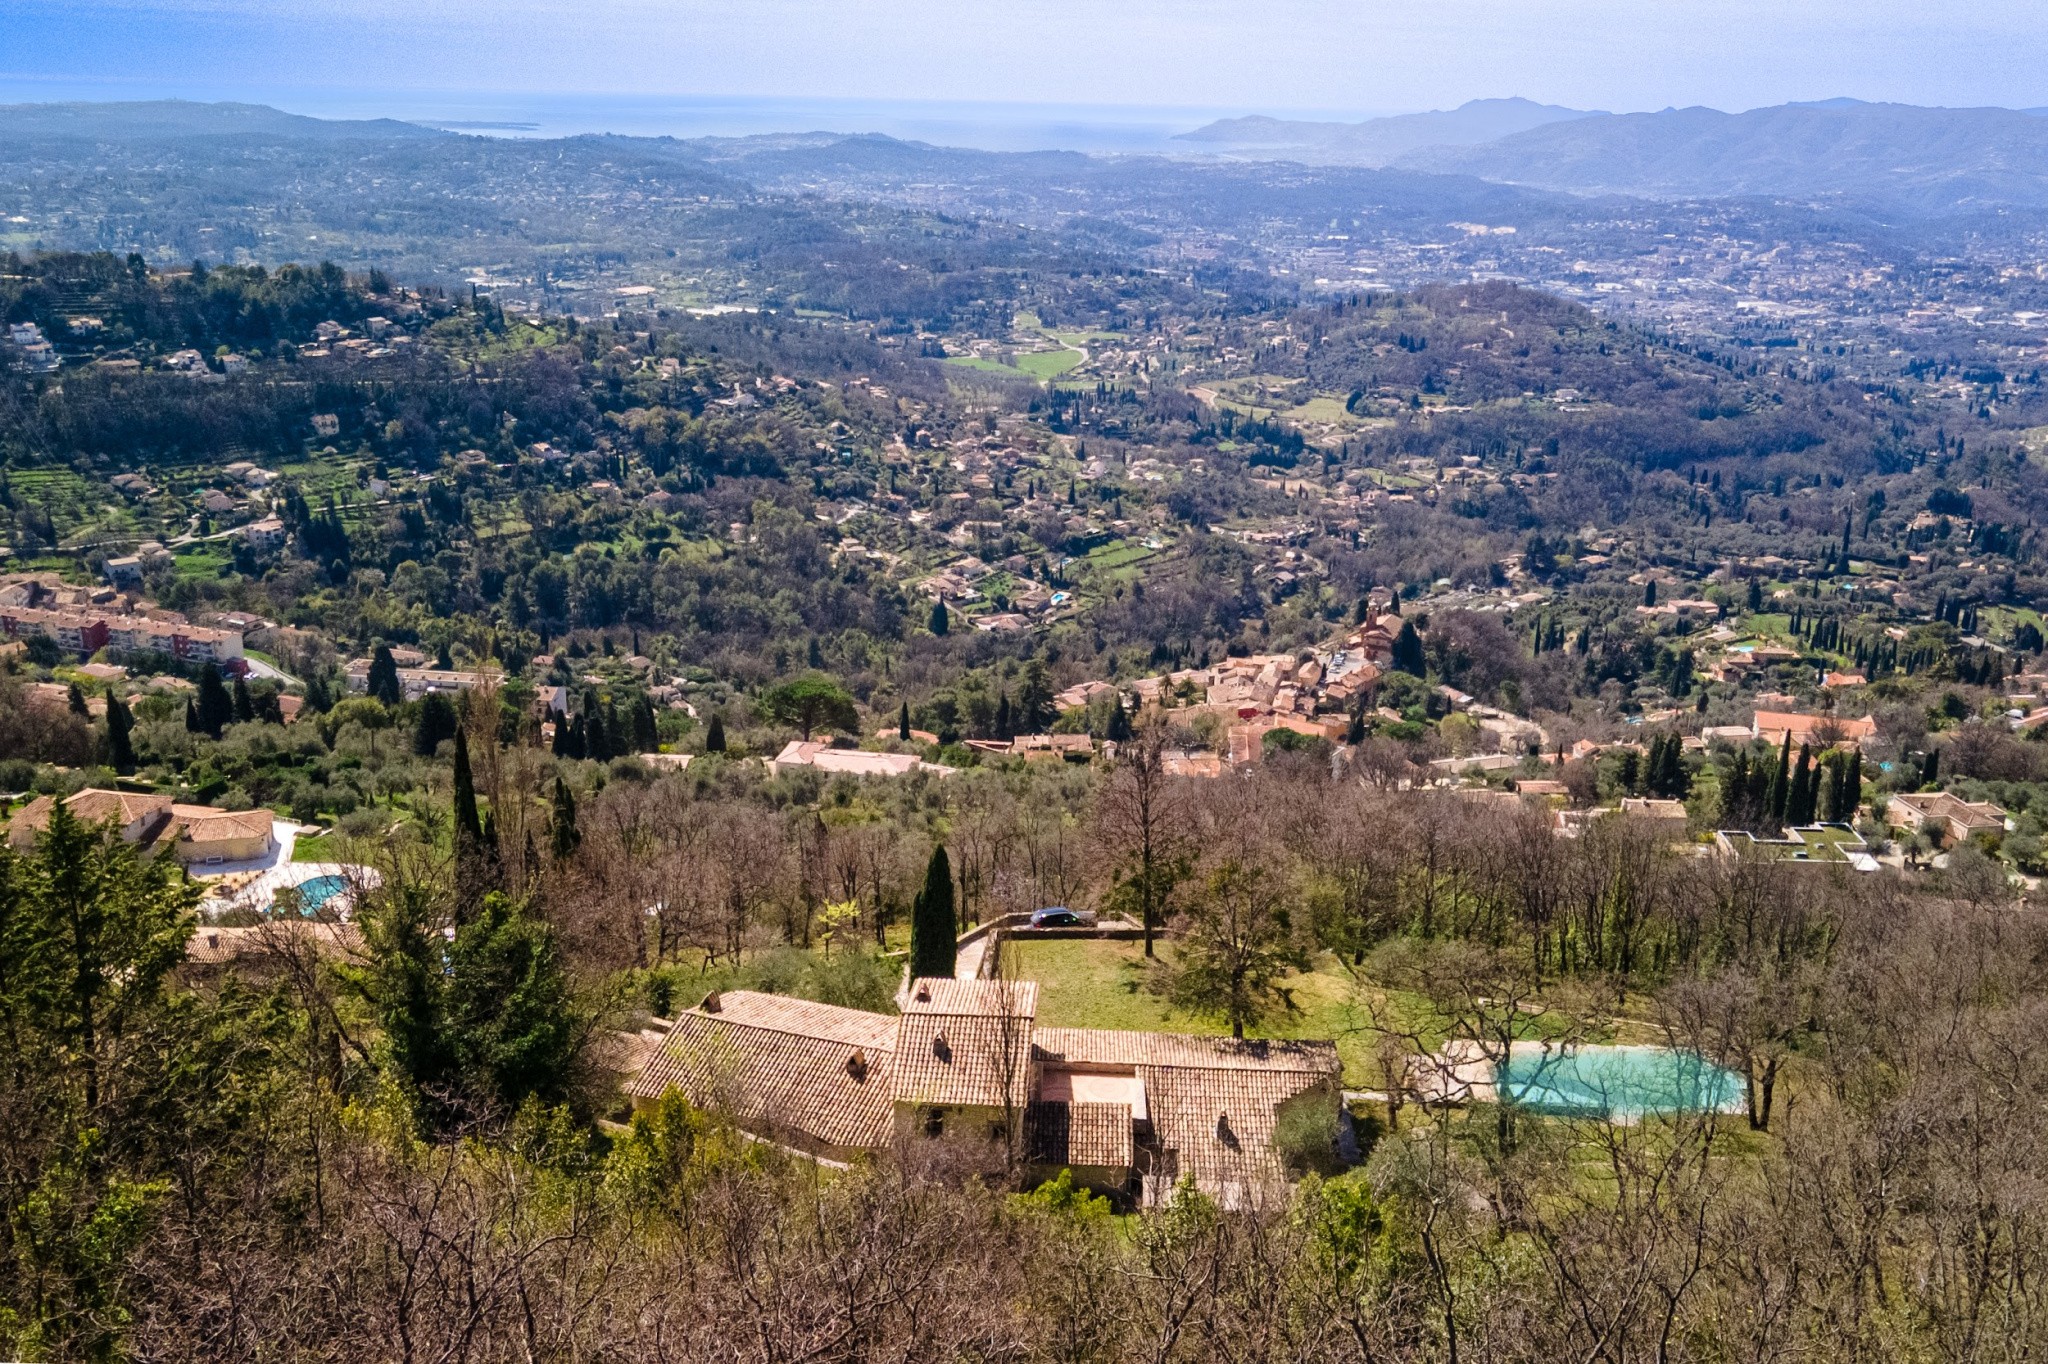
pixel 932 928
pixel 714 735
pixel 511 1013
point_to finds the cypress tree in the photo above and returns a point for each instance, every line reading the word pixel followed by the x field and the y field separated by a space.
pixel 1408 650
pixel 1759 796
pixel 903 723
pixel 120 724
pixel 1852 785
pixel 714 735
pixel 564 837
pixel 245 709
pixel 1119 723
pixel 932 928
pixel 435 723
pixel 597 741
pixel 940 623
pixel 76 699
pixel 469 830
pixel 383 680
pixel 646 738
pixel 1779 789
pixel 215 709
pixel 1799 802
pixel 1735 811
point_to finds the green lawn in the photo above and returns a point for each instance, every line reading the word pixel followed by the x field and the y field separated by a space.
pixel 319 848
pixel 1041 365
pixel 1049 364
pixel 1096 983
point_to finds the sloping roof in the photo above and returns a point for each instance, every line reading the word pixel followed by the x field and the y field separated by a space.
pixel 1097 1134
pixel 1220 1120
pixel 214 945
pixel 945 995
pixel 94 805
pixel 811 1069
pixel 1782 721
pixel 965 1042
pixel 203 824
pixel 1100 1046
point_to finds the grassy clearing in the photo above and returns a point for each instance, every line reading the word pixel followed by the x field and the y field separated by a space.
pixel 1049 364
pixel 1093 983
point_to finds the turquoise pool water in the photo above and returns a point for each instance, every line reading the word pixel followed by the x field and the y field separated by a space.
pixel 1618 1082
pixel 318 891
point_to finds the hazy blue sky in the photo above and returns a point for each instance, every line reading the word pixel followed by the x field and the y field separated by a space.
pixel 1356 55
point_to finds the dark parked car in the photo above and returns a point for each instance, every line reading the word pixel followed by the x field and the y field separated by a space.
pixel 1059 916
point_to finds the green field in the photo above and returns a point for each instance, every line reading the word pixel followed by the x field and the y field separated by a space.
pixel 1040 365
pixel 1096 983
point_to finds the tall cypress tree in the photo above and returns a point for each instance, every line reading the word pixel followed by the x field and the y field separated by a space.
pixel 1780 787
pixel 903 723
pixel 120 724
pixel 646 738
pixel 932 927
pixel 1852 785
pixel 714 735
pixel 245 708
pixel 1799 798
pixel 214 709
pixel 1407 653
pixel 469 830
pixel 383 680
pixel 1735 808
pixel 564 836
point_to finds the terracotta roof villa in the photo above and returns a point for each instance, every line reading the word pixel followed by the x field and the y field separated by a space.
pixel 1131 1113
pixel 194 833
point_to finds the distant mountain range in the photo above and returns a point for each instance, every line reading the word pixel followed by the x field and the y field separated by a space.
pixel 1383 141
pixel 177 119
pixel 1894 158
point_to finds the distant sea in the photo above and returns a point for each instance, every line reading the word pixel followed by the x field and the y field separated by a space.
pixel 989 126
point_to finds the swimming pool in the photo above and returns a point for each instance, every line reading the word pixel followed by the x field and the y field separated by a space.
pixel 318 891
pixel 1617 1082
